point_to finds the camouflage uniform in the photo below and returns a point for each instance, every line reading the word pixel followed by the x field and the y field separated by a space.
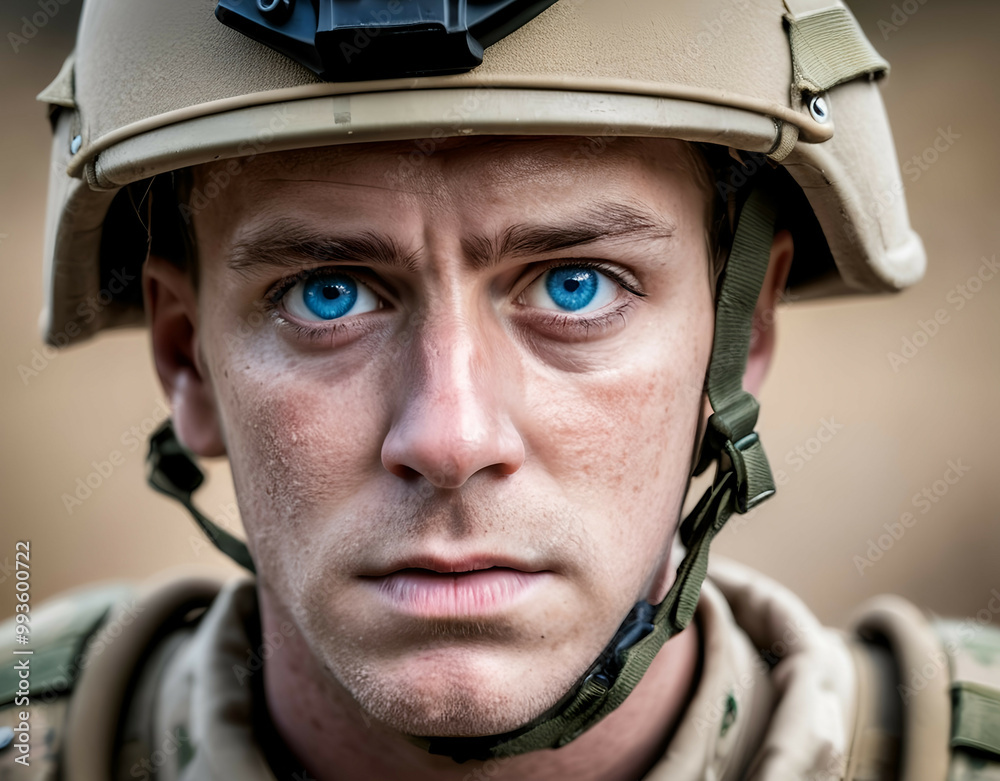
pixel 154 687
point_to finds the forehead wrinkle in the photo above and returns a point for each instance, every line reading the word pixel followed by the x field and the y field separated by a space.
pixel 348 184
pixel 600 222
pixel 286 242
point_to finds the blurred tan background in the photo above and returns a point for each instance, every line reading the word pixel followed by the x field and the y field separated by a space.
pixel 890 431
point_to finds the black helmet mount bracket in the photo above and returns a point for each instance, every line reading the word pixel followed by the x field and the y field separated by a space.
pixel 361 40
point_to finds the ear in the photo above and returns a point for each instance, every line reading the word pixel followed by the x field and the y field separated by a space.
pixel 762 337
pixel 172 315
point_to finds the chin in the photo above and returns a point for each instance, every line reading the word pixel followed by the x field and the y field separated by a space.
pixel 451 698
pixel 454 715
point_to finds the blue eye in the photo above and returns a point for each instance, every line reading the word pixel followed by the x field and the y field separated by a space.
pixel 328 296
pixel 571 289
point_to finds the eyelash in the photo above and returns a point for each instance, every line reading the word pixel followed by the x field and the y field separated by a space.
pixel 555 321
pixel 570 325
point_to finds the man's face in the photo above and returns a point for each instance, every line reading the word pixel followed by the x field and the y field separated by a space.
pixel 460 399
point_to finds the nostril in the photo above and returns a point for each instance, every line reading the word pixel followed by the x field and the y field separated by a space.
pixel 403 471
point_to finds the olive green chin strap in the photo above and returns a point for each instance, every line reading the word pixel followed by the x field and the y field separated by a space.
pixel 172 471
pixel 742 481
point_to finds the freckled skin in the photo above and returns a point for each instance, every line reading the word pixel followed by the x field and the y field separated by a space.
pixel 456 420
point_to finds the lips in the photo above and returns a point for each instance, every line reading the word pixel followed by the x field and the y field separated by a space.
pixel 456 589
pixel 455 565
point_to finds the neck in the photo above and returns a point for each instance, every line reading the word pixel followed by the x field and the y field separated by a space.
pixel 333 739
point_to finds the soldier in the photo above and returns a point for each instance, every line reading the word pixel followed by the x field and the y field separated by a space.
pixel 465 323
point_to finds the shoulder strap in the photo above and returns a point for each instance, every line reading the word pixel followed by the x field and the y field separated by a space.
pixel 919 681
pixel 102 693
pixel 36 675
pixel 878 723
pixel 942 678
pixel 973 650
pixel 59 633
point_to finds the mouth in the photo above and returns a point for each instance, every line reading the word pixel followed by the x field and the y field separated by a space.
pixel 456 589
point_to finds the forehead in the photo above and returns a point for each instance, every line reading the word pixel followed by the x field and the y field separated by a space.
pixel 430 191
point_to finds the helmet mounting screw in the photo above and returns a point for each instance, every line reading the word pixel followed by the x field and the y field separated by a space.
pixel 75 144
pixel 819 109
pixel 275 11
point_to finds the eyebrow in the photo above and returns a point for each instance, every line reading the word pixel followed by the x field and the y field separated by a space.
pixel 288 243
pixel 600 222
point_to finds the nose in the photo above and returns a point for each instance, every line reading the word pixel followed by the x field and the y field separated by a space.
pixel 453 418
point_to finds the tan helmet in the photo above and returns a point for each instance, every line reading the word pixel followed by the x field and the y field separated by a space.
pixel 155 86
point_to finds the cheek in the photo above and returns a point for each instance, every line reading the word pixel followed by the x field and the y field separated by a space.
pixel 605 432
pixel 300 439
pixel 619 444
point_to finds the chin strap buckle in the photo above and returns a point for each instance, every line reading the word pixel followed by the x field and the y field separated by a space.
pixel 742 455
pixel 754 481
pixel 730 438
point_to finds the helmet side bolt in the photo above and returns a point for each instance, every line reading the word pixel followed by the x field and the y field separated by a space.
pixel 75 144
pixel 819 109
pixel 275 11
